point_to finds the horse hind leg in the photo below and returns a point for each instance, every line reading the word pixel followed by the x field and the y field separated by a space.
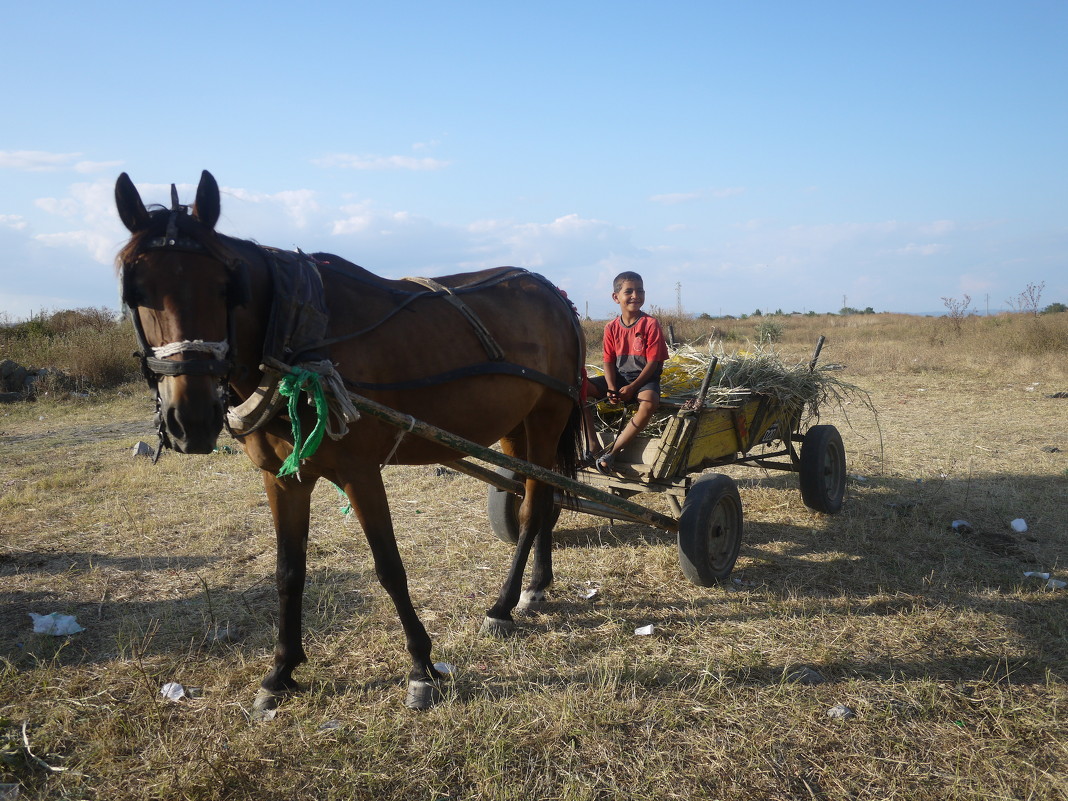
pixel 542 571
pixel 535 532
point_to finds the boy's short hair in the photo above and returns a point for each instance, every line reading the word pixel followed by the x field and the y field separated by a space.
pixel 627 275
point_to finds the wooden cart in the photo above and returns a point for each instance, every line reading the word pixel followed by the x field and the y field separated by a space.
pixel 755 430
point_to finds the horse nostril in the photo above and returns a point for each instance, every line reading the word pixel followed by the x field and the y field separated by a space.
pixel 174 426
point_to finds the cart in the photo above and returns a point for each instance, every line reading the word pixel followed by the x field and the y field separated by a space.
pixel 756 430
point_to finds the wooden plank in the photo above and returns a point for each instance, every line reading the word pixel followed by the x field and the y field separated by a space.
pixel 550 477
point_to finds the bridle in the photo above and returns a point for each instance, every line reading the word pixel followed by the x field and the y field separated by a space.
pixel 181 236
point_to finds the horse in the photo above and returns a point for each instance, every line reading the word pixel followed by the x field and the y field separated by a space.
pixel 230 333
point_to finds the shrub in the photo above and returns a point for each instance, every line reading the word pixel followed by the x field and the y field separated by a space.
pixel 91 347
pixel 770 331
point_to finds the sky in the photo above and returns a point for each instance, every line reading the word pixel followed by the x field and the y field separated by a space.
pixel 739 156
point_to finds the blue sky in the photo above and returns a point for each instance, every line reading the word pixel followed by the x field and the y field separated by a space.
pixel 795 156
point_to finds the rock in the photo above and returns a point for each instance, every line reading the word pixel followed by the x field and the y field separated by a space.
pixel 805 675
pixel 841 712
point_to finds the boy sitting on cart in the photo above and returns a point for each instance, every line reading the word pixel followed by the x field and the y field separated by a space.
pixel 634 356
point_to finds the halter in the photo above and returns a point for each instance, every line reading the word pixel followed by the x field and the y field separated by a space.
pixel 155 361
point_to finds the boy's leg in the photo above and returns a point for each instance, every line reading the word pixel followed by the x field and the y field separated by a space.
pixel 648 401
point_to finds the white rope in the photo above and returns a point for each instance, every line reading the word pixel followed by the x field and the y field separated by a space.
pixel 400 436
pixel 217 349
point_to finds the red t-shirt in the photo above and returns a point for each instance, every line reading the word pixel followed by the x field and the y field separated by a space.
pixel 634 346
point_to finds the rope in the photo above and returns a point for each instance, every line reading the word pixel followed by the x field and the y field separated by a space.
pixel 291 385
pixel 397 441
pixel 216 349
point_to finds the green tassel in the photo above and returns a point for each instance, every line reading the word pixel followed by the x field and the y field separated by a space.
pixel 292 384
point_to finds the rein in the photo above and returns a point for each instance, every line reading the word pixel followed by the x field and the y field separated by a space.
pixel 295 345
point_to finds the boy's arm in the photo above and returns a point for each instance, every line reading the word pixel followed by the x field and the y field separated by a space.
pixel 611 377
pixel 644 377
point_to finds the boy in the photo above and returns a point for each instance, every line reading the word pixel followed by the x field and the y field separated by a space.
pixel 634 355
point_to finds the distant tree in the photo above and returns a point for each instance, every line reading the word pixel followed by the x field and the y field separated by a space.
pixel 847 310
pixel 1028 301
pixel 758 313
pixel 868 310
pixel 957 311
pixel 1055 308
pixel 704 316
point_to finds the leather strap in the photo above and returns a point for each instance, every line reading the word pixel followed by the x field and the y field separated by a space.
pixel 493 350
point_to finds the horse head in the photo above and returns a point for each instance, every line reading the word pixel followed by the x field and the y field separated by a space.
pixel 181 284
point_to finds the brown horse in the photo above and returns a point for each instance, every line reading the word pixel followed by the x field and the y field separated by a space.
pixel 228 327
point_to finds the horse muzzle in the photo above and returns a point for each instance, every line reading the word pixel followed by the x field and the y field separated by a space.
pixel 188 424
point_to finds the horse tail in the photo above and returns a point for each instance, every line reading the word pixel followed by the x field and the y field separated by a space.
pixel 569 448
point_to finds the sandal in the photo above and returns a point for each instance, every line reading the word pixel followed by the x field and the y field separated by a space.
pixel 605 462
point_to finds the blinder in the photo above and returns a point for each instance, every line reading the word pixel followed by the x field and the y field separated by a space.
pixel 154 361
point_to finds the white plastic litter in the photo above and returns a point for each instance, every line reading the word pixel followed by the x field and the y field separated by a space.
pixel 1019 525
pixel 173 691
pixel 644 631
pixel 141 449
pixel 1036 574
pixel 1056 584
pixel 590 593
pixel 55 624
pixel 961 526
pixel 444 668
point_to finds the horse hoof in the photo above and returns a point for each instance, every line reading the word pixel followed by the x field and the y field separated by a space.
pixel 495 627
pixel 423 694
pixel 265 704
pixel 530 599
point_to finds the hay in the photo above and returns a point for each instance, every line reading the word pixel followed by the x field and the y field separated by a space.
pixel 797 388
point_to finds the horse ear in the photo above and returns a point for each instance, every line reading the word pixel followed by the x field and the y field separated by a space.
pixel 131 209
pixel 206 208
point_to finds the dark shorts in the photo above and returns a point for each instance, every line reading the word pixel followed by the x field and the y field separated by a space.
pixel 601 383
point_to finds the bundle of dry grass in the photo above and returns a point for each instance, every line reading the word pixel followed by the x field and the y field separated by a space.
pixel 801 389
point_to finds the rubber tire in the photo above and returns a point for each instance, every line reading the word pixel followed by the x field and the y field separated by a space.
pixel 503 509
pixel 823 470
pixel 710 529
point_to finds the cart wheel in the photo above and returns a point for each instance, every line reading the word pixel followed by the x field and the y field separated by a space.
pixel 710 529
pixel 503 508
pixel 823 469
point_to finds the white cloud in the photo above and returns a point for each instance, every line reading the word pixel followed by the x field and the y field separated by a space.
pixel 301 206
pixel 371 162
pixel 87 167
pixel 36 160
pixel 15 221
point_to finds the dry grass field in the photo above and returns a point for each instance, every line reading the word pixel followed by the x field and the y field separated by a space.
pixel 953 665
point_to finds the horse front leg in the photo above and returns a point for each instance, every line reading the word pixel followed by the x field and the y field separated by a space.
pixel 535 529
pixel 368 497
pixel 290 502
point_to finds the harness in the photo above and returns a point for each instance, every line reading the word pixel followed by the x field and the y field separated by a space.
pixel 295 343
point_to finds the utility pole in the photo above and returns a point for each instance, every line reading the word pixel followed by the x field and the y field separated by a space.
pixel 678 298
